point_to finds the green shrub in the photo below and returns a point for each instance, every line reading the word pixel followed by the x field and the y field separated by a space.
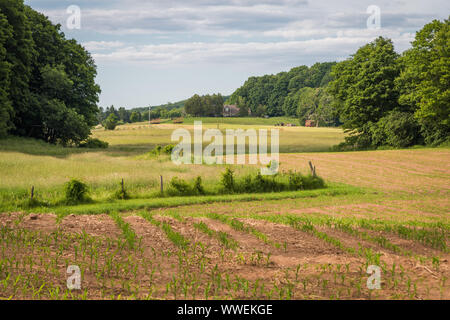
pixel 311 182
pixel 228 181
pixel 253 183
pixel 93 143
pixel 434 133
pixel 159 150
pixel 168 149
pixel 397 129
pixel 111 122
pixel 179 187
pixel 121 194
pixel 258 183
pixel 76 192
pixel 198 187
pixel 296 181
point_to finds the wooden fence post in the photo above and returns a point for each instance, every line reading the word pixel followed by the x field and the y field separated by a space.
pixel 32 193
pixel 313 169
pixel 162 185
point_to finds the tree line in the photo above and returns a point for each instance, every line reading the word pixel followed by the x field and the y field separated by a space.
pixel 47 82
pixel 280 94
pixel 205 106
pixel 111 117
pixel 380 97
pixel 384 98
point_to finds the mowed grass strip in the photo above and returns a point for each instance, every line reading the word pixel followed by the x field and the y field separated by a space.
pixel 146 204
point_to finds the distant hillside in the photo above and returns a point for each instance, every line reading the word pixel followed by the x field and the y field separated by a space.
pixel 273 93
pixel 170 106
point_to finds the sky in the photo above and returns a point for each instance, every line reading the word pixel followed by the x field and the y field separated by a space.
pixel 150 52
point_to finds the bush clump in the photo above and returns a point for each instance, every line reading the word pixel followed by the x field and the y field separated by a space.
pixel 111 122
pixel 252 183
pixel 258 183
pixel 159 150
pixel 228 181
pixel 198 187
pixel 179 187
pixel 93 143
pixel 121 194
pixel 76 192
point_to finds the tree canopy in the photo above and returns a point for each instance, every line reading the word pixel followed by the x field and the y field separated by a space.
pixel 274 92
pixel 384 98
pixel 205 106
pixel 52 95
pixel 425 80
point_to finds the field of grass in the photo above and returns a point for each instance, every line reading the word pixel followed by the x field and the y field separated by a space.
pixel 25 163
pixel 384 208
pixel 140 137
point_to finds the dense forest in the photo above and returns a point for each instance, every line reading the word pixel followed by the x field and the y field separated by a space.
pixel 275 95
pixel 47 82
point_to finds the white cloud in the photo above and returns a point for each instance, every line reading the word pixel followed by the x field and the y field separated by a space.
pixel 290 18
pixel 102 45
pixel 185 53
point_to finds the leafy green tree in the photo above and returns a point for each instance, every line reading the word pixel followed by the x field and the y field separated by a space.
pixel 20 54
pixel 425 80
pixel 290 104
pixel 278 92
pixel 243 107
pixel 111 122
pixel 63 125
pixel 261 111
pixel 205 106
pixel 175 113
pixel 194 106
pixel 316 104
pixel 327 115
pixel 6 110
pixel 397 129
pixel 82 71
pixel 124 115
pixel 364 86
pixel 49 72
pixel 217 104
pixel 55 82
pixel 308 103
pixel 135 117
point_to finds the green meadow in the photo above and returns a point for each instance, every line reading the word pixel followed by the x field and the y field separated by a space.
pixel 26 162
